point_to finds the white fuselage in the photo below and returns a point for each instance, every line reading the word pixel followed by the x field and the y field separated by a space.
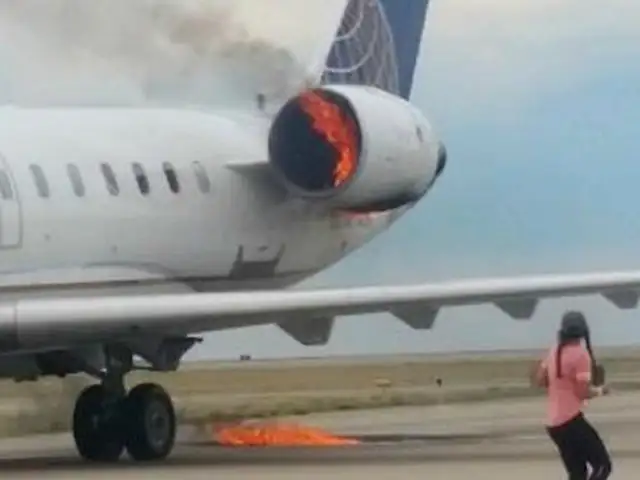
pixel 245 232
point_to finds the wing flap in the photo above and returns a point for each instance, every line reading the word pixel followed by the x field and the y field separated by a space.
pixel 51 321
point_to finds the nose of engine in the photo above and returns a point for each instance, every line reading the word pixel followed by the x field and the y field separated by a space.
pixel 442 159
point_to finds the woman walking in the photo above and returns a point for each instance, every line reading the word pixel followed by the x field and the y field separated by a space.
pixel 567 372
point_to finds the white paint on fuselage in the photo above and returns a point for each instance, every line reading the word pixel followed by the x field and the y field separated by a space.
pixel 81 245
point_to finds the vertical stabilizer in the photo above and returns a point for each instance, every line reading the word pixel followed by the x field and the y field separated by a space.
pixel 377 44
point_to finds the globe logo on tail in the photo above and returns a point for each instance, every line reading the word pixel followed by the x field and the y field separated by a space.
pixel 363 51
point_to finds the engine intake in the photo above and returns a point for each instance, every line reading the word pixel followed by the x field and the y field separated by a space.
pixel 316 143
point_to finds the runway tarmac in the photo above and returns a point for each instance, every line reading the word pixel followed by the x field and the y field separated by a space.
pixel 497 440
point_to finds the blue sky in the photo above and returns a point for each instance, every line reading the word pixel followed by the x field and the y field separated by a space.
pixel 539 104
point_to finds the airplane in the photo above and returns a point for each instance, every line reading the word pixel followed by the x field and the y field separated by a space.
pixel 125 233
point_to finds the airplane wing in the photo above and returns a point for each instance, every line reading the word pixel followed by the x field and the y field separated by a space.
pixel 306 315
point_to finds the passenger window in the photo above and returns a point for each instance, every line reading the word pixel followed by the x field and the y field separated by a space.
pixel 204 183
pixel 40 180
pixel 172 177
pixel 76 179
pixel 110 179
pixel 5 186
pixel 141 178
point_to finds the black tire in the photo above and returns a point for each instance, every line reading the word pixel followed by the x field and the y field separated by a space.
pixel 96 431
pixel 151 423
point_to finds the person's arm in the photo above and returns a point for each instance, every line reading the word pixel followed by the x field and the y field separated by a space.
pixel 599 391
pixel 539 375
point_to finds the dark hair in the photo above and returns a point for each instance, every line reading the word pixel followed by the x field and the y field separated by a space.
pixel 573 327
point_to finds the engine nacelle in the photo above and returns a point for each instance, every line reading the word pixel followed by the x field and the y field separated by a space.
pixel 355 147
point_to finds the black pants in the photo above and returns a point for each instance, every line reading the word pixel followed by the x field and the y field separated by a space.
pixel 580 445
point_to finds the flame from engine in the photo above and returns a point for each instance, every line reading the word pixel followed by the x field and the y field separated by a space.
pixel 337 129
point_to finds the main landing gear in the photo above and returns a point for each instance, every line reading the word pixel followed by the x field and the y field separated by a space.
pixel 107 420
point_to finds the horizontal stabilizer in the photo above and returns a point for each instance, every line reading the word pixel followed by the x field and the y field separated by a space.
pixel 418 317
pixel 624 299
pixel 312 331
pixel 519 309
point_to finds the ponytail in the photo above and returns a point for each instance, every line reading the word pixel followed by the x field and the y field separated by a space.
pixel 597 371
pixel 561 345
pixel 587 341
pixel 562 341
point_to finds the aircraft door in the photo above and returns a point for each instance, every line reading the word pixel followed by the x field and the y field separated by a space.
pixel 10 208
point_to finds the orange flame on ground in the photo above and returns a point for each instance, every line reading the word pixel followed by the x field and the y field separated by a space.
pixel 276 435
pixel 337 129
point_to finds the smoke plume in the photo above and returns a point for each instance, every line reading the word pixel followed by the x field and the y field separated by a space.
pixel 136 52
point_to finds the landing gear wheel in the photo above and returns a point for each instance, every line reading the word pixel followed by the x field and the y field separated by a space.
pixel 151 422
pixel 96 428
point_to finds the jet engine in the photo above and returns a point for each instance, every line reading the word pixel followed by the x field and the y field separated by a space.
pixel 354 147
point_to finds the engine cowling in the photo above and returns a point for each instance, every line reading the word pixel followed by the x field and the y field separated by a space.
pixel 354 147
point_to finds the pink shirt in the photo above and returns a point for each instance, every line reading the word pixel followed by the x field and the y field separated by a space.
pixel 564 397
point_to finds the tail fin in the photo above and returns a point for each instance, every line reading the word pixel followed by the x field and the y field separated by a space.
pixel 377 44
